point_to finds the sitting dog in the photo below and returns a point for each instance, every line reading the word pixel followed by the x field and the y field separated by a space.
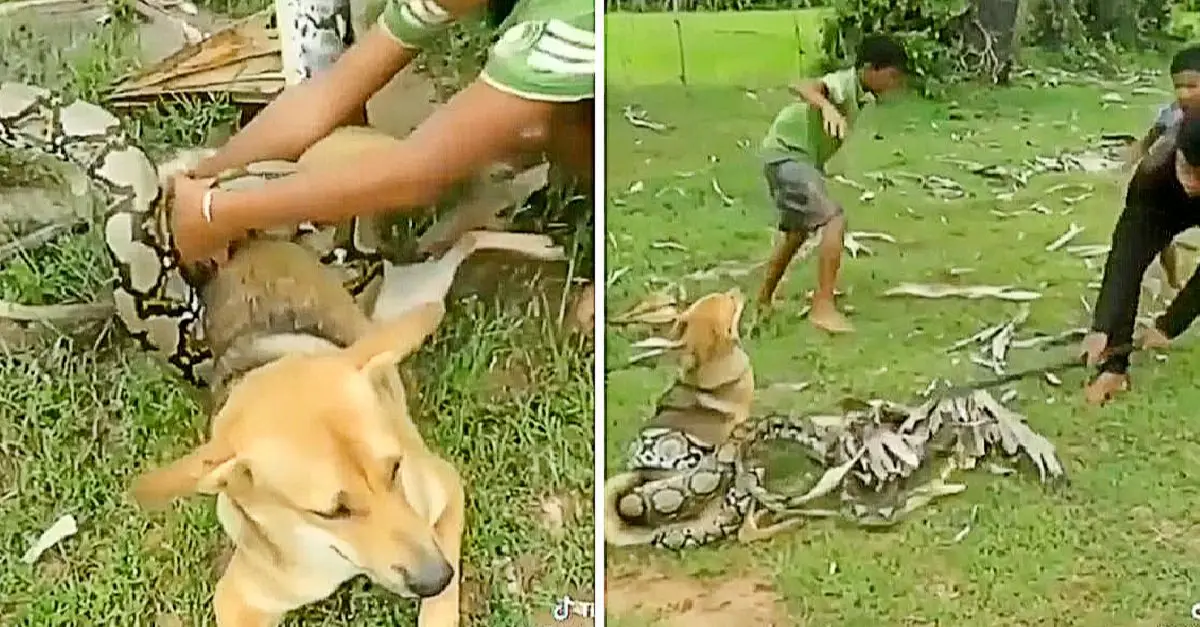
pixel 319 472
pixel 712 395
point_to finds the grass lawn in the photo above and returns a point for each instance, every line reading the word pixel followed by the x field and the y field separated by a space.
pixel 500 391
pixel 1118 548
pixel 742 48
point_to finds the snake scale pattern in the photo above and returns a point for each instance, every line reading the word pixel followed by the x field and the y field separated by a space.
pixel 877 457
pixel 153 300
pixel 699 493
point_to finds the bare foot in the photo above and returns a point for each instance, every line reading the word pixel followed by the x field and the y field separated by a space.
pixel 826 317
pixel 1154 339
pixel 1105 387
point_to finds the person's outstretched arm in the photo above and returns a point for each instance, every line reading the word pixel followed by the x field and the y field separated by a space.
pixel 476 127
pixel 535 69
pixel 303 114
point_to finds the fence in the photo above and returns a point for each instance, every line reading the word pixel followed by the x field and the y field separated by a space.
pixel 721 48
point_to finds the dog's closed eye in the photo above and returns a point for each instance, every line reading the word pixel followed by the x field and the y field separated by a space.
pixel 341 511
pixel 338 511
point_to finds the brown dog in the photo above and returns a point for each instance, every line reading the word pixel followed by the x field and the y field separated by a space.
pixel 319 472
pixel 712 395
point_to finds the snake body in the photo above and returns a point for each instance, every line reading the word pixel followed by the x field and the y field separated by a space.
pixel 153 299
pixel 697 493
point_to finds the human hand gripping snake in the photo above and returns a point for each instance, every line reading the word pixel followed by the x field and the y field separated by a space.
pixel 154 302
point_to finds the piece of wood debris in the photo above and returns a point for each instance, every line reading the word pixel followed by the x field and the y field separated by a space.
pixel 62 529
pixel 1063 239
pixel 726 199
pixel 637 117
pixel 652 347
pixel 657 308
pixel 668 245
pixel 970 292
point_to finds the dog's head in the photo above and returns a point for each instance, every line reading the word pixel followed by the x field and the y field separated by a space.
pixel 708 330
pixel 315 470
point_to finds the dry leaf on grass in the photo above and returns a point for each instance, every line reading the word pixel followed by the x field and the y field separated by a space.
pixel 652 347
pixel 658 308
pixel 1087 251
pixel 971 292
pixel 726 199
pixel 1063 239
pixel 637 117
pixel 962 533
pixel 62 529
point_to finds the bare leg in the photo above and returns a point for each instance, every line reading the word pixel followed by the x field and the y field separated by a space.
pixel 785 250
pixel 829 261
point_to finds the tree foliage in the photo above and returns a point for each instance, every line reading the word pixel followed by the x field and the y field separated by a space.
pixel 953 40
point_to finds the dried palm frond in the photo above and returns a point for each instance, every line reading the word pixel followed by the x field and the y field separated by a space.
pixel 879 455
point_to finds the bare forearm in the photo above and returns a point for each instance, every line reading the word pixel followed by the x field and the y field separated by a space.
pixel 283 130
pixel 305 113
pixel 374 183
pixel 812 92
pixel 475 128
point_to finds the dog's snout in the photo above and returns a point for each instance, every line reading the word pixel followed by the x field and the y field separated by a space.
pixel 429 579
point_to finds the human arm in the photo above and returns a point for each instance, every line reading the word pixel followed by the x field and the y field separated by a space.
pixel 1166 117
pixel 305 113
pixel 522 86
pixel 1139 236
pixel 413 173
pixel 1139 148
pixel 1183 310
pixel 824 95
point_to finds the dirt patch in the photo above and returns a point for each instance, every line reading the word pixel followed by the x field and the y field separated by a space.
pixel 685 601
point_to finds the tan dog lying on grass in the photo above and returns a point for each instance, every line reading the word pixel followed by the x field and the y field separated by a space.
pixel 319 472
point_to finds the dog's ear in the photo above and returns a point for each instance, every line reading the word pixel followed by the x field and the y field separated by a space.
pixel 423 490
pixel 390 342
pixel 210 468
pixel 735 320
pixel 703 335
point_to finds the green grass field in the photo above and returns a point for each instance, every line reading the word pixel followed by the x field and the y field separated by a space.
pixel 743 48
pixel 500 391
pixel 1118 548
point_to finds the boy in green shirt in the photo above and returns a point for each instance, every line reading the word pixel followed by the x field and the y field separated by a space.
pixel 803 137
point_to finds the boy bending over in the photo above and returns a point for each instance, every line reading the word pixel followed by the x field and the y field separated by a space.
pixel 1163 201
pixel 1185 74
pixel 803 137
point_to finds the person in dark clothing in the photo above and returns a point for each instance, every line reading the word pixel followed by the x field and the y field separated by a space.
pixel 1162 201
